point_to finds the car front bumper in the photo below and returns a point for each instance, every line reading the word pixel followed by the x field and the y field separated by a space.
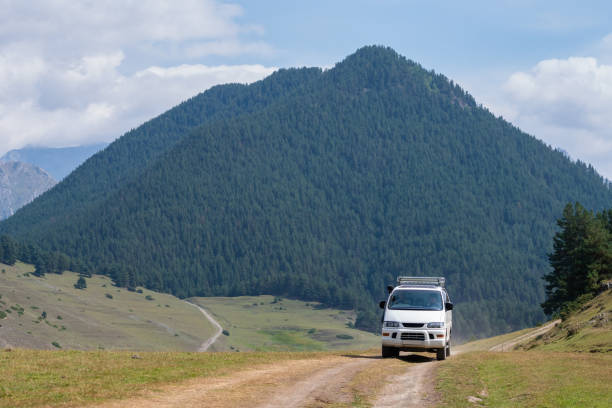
pixel 414 339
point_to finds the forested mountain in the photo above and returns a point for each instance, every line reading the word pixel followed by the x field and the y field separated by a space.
pixel 20 183
pixel 58 162
pixel 324 185
pixel 107 171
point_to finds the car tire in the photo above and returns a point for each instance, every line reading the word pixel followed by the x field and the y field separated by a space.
pixel 441 354
pixel 448 349
pixel 388 352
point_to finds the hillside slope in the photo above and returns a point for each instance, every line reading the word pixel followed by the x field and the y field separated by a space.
pixel 587 330
pixel 326 190
pixel 102 316
pixel 49 313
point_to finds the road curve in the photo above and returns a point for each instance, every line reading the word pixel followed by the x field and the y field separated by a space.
pixel 509 345
pixel 204 346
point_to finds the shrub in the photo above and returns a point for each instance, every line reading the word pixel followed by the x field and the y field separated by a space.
pixel 344 336
pixel 311 331
pixel 56 344
pixel 108 295
pixel 81 283
pixel 149 297
pixel 2 315
pixel 225 333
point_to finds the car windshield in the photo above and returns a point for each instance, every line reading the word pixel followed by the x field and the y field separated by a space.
pixel 416 300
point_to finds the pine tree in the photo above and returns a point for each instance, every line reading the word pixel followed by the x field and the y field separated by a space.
pixel 582 256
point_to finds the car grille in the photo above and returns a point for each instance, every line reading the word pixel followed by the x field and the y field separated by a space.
pixel 413 325
pixel 413 336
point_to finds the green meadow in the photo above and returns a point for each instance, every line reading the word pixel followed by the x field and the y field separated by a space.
pixel 268 323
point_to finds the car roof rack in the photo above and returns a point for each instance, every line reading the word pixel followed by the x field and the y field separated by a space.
pixel 420 281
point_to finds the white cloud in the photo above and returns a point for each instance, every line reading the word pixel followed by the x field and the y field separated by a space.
pixel 91 101
pixel 568 104
pixel 97 25
pixel 228 48
pixel 63 79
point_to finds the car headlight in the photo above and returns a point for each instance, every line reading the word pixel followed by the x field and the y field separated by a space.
pixel 435 325
pixel 391 324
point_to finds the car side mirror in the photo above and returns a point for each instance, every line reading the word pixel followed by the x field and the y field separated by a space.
pixel 390 288
pixel 382 304
pixel 448 306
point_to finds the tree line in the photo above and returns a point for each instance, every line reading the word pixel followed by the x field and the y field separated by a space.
pixel 44 262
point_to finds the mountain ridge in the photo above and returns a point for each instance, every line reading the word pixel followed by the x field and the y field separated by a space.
pixel 20 183
pixel 58 162
pixel 329 189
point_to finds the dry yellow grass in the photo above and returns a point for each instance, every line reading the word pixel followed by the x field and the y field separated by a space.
pixel 88 319
pixel 33 378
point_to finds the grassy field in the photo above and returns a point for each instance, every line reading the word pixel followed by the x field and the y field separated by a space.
pixel 73 378
pixel 49 313
pixel 569 366
pixel 100 316
pixel 526 379
pixel 267 323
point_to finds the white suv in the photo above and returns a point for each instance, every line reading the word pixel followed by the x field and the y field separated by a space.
pixel 418 317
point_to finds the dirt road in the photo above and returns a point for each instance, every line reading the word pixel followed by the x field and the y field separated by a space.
pixel 309 382
pixel 329 380
pixel 413 388
pixel 509 345
pixel 206 345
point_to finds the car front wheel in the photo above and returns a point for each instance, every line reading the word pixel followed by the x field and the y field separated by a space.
pixel 388 352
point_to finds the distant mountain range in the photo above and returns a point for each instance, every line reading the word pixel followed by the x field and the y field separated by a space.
pixel 324 185
pixel 20 183
pixel 58 162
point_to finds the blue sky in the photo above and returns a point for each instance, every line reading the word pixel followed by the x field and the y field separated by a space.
pixel 82 72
